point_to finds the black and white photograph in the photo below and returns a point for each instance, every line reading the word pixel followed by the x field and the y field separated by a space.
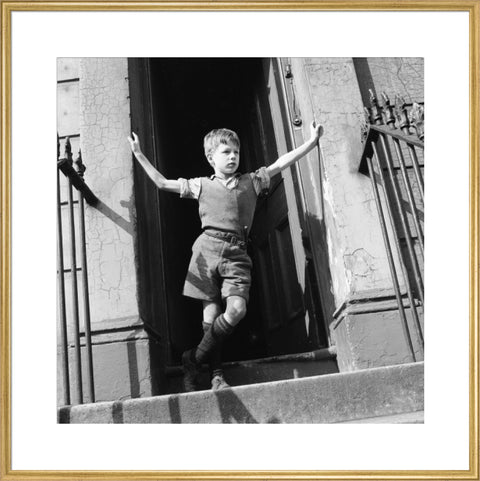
pixel 240 240
pixel 256 259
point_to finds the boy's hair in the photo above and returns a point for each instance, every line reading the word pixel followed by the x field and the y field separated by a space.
pixel 219 136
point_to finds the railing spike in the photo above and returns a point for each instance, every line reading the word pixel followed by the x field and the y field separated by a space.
pixel 388 109
pixel 417 119
pixel 401 114
pixel 79 165
pixel 68 150
pixel 376 110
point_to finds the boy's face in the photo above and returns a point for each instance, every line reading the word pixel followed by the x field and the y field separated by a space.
pixel 225 159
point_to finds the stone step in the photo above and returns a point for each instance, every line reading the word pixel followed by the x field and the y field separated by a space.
pixel 331 398
pixel 416 417
pixel 255 371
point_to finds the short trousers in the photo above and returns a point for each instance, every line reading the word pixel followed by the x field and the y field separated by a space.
pixel 217 270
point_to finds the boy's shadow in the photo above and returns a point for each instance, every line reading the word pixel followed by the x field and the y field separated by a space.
pixel 232 409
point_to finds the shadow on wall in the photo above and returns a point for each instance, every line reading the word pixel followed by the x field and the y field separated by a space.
pixel 321 277
pixel 365 79
pixel 117 219
pixel 155 377
pixel 132 367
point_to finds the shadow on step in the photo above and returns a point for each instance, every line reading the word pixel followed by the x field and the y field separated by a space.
pixel 232 410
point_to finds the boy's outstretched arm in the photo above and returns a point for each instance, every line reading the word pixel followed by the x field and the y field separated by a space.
pixel 294 155
pixel 159 180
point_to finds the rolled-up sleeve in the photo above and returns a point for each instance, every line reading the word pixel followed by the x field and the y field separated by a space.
pixel 261 181
pixel 190 188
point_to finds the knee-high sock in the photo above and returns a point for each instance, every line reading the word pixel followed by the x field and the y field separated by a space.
pixel 215 362
pixel 212 339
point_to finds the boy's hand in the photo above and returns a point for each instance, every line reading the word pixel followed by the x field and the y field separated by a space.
pixel 134 143
pixel 316 131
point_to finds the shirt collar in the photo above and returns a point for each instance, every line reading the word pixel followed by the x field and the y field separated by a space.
pixel 235 176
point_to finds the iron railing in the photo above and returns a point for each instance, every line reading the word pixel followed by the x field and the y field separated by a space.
pixel 73 172
pixel 393 159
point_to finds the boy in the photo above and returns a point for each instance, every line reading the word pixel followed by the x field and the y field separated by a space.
pixel 219 271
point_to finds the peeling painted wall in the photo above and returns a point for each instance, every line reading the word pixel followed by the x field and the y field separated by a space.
pixel 398 75
pixel 93 109
pixel 334 92
pixel 104 127
pixel 356 251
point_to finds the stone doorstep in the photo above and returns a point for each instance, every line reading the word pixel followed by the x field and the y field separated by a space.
pixel 331 398
pixel 277 368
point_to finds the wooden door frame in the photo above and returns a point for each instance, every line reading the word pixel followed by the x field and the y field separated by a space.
pixel 151 269
pixel 287 139
pixel 284 144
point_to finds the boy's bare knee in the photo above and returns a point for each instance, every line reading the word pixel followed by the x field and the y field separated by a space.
pixel 236 308
pixel 211 310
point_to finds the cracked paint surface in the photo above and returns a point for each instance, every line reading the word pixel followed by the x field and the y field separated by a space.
pixel 357 256
pixel 349 207
pixel 398 75
pixel 104 127
pixel 370 341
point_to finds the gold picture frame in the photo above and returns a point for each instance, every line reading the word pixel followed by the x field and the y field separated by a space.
pixel 8 7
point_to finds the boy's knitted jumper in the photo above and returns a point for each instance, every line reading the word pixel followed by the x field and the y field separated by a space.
pixel 226 209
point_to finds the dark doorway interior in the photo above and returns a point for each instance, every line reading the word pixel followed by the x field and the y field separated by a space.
pixel 189 98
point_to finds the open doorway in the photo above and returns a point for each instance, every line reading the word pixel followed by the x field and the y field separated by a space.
pixel 188 98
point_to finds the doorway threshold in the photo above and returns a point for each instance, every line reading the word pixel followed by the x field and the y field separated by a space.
pixel 267 369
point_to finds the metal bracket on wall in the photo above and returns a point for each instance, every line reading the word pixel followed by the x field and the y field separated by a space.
pixel 297 120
